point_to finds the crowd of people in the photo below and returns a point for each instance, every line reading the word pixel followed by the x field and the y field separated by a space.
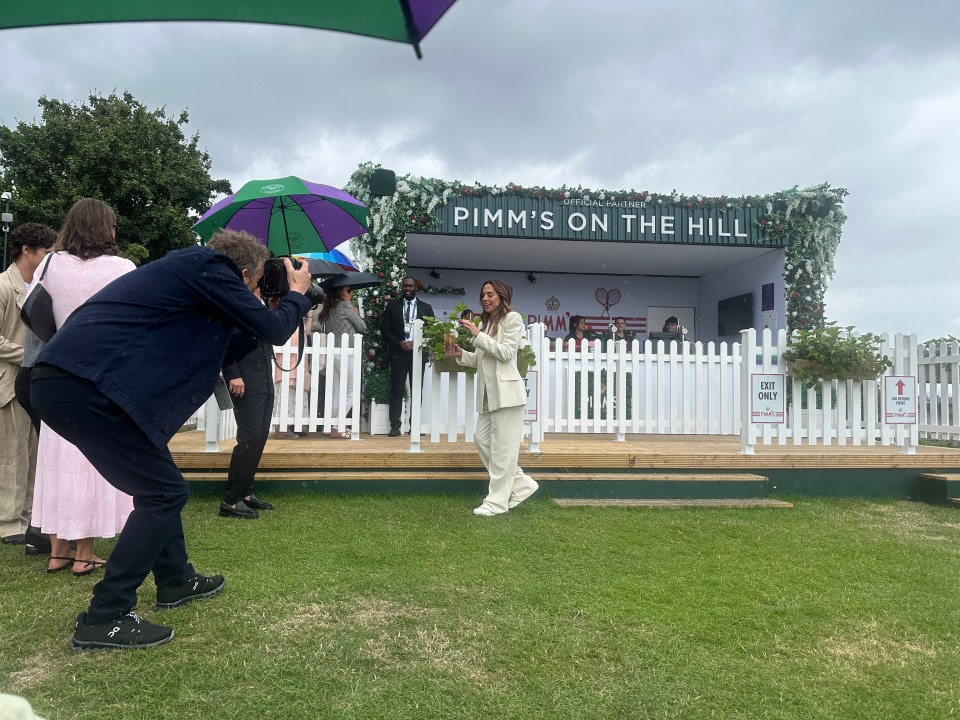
pixel 584 337
pixel 85 418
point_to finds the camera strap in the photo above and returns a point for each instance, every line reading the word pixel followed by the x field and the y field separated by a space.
pixel 301 341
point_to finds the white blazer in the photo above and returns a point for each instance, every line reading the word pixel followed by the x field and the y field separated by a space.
pixel 496 361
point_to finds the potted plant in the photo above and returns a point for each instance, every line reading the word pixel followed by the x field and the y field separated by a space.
pixel 435 332
pixel 832 352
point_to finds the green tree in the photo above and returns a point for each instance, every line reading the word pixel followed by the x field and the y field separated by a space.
pixel 118 150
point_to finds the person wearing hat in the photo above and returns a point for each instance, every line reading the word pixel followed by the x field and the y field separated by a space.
pixel 672 325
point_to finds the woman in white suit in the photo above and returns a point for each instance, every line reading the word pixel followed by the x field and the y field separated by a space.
pixel 501 398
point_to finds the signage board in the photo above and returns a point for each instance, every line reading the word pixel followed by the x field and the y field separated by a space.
pixel 900 400
pixel 531 386
pixel 605 220
pixel 767 398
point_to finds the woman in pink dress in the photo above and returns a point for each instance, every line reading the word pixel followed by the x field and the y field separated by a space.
pixel 71 500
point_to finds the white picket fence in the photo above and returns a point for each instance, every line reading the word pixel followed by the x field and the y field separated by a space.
pixel 625 389
pixel 296 380
pixel 850 411
pixel 939 382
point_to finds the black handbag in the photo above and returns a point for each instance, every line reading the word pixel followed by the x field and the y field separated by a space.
pixel 37 310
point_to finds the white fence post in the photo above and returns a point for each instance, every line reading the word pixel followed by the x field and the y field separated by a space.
pixel 416 386
pixel 748 351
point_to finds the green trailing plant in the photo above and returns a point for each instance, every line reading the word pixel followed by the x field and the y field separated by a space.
pixel 526 359
pixel 434 333
pixel 832 352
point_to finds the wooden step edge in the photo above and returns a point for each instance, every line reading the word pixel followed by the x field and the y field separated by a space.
pixel 329 474
pixel 674 503
pixel 948 477
pixel 340 476
pixel 652 477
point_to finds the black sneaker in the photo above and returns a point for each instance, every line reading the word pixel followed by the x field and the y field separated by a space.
pixel 394 432
pixel 240 510
pixel 199 586
pixel 256 503
pixel 126 632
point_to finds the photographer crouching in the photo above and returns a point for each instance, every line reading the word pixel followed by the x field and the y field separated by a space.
pixel 120 378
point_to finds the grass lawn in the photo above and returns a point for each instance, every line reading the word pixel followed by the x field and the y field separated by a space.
pixel 410 607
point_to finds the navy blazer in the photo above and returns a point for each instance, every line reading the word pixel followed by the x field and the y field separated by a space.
pixel 154 340
pixel 391 325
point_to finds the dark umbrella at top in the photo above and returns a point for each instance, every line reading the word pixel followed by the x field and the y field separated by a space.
pixel 401 20
pixel 288 215
pixel 357 281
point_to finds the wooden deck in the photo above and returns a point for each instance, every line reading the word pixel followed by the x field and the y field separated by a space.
pixel 562 453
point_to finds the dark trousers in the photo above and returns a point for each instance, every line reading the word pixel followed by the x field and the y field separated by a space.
pixel 253 412
pixel 401 371
pixel 152 539
pixel 21 390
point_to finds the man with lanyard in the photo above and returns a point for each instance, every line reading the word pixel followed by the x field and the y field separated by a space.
pixel 396 327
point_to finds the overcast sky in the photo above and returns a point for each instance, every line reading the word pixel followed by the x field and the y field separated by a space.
pixel 744 96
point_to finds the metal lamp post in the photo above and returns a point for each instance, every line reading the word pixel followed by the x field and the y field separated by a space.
pixel 6 218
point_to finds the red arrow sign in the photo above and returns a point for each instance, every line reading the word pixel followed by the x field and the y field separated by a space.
pixel 900 386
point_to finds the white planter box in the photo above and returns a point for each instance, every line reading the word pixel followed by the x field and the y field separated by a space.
pixel 379 419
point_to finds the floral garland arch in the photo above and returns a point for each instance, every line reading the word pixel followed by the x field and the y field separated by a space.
pixel 812 218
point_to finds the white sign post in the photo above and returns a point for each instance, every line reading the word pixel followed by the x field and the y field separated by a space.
pixel 900 400
pixel 900 406
pixel 767 398
pixel 533 396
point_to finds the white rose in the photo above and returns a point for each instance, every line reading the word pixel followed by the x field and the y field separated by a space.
pixel 602 196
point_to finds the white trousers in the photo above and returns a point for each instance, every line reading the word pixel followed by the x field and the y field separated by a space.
pixel 498 437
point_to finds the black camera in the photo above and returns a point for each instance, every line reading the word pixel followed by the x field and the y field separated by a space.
pixel 273 282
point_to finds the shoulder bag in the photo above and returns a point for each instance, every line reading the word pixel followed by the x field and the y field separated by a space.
pixel 37 310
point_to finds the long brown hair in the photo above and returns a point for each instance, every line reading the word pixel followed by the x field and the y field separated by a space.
pixel 87 230
pixel 332 299
pixel 491 321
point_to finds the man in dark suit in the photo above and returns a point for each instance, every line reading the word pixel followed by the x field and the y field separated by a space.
pixel 120 378
pixel 396 327
pixel 250 382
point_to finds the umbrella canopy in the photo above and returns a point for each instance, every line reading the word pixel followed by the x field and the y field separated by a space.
pixel 289 215
pixel 401 20
pixel 336 257
pixel 357 281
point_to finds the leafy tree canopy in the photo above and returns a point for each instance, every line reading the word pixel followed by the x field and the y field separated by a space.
pixel 116 149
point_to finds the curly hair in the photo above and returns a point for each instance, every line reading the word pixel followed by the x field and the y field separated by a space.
pixel 32 235
pixel 241 247
pixel 88 230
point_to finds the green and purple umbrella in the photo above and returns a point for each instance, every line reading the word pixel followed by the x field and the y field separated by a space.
pixel 400 20
pixel 289 215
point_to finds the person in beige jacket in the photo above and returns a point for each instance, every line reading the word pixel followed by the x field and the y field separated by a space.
pixel 501 397
pixel 18 440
